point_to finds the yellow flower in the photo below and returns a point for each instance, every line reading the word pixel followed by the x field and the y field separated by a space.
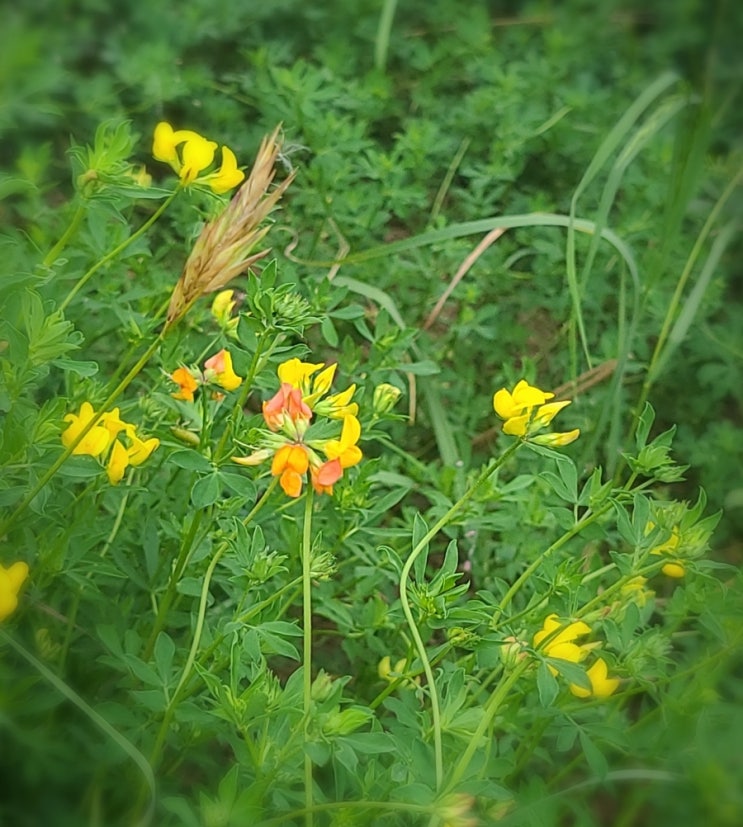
pixel 121 457
pixel 345 449
pixel 556 440
pixel 289 464
pixel 338 405
pixel 228 175
pixel 140 449
pixel 562 644
pixel 11 580
pixel 602 686
pixel 219 369
pixel 104 435
pixel 674 568
pixel 222 307
pixel 189 154
pixel 117 463
pixel 521 400
pixel 298 374
pixel 98 438
pixel 526 411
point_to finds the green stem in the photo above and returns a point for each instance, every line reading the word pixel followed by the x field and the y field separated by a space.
pixel 177 572
pixel 405 602
pixel 196 641
pixel 123 743
pixel 535 564
pixel 492 706
pixel 61 459
pixel 53 254
pixel 256 363
pixel 85 278
pixel 307 649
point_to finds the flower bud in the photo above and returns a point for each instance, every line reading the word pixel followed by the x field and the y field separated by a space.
pixel 385 398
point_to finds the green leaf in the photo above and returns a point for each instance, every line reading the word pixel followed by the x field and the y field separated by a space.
pixel 547 686
pixel 163 654
pixel 206 490
pixel 190 460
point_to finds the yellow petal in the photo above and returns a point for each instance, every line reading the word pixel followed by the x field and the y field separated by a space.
pixel 198 154
pixel 117 463
pixel 228 176
pixel 163 145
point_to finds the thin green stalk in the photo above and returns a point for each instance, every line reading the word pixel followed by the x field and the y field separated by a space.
pixel 535 564
pixel 53 254
pixel 492 706
pixel 405 602
pixel 307 649
pixel 196 640
pixel 382 40
pixel 175 576
pixel 85 278
pixel 123 743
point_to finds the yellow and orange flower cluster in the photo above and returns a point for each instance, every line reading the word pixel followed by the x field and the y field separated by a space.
pixel 218 371
pixel 109 435
pixel 189 154
pixel 11 580
pixel 294 453
pixel 526 411
pixel 559 641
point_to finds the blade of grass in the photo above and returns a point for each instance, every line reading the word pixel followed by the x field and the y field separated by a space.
pixel 695 297
pixel 606 149
pixel 382 40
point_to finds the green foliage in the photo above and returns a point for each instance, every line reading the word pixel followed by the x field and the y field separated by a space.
pixel 196 646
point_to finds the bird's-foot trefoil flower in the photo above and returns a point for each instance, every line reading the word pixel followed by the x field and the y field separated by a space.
pixel 602 686
pixel 675 567
pixel 558 640
pixel 11 580
pixel 222 309
pixel 218 372
pixel 109 435
pixel 526 411
pixel 289 417
pixel 190 154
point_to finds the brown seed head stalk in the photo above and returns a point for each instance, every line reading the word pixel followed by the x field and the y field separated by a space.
pixel 226 246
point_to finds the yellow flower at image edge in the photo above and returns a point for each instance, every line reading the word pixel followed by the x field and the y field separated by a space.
pixel 189 154
pixel 11 580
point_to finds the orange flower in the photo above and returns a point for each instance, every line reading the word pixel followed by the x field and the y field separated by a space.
pixel 187 384
pixel 290 463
